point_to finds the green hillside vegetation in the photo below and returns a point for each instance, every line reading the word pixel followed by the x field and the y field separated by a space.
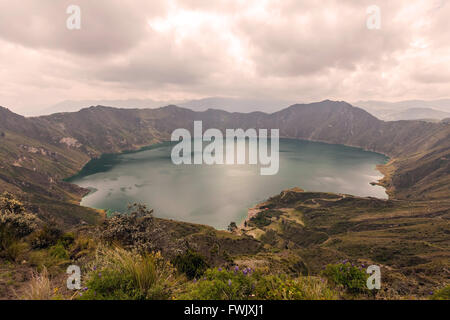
pixel 298 245
pixel 199 262
pixel 408 239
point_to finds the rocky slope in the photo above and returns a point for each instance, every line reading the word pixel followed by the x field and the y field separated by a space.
pixel 37 153
pixel 295 232
pixel 409 240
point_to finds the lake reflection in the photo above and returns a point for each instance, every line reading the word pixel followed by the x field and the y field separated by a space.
pixel 218 194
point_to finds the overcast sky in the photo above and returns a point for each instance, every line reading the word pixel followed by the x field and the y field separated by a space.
pixel 184 49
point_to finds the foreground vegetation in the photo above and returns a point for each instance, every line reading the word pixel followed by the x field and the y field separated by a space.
pixel 128 257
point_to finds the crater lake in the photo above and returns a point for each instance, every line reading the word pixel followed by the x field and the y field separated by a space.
pixel 215 195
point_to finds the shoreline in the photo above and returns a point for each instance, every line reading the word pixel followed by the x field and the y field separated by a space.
pixel 251 212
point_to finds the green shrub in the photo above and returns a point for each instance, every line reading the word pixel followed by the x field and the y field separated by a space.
pixel 110 285
pixel 58 251
pixel 38 258
pixel 232 226
pixel 9 203
pixel 191 263
pixel 139 230
pixel 15 222
pixel 263 218
pixel 46 237
pixel 16 251
pixel 83 246
pixel 350 277
pixel 443 294
pixel 303 288
pixel 48 258
pixel 67 239
pixel 221 285
pixel 247 285
pixel 127 275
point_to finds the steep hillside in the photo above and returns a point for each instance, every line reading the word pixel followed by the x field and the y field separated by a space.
pixel 37 153
pixel 420 149
pixel 294 233
pixel 409 240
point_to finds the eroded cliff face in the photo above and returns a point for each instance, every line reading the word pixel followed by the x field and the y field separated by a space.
pixel 37 153
pixel 295 232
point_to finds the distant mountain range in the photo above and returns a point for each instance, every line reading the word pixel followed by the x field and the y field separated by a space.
pixel 416 114
pixel 228 104
pixel 388 111
pixel 407 110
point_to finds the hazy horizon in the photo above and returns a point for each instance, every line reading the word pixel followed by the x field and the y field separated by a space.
pixel 183 50
pixel 383 110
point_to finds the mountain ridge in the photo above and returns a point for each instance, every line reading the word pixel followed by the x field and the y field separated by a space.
pixel 419 168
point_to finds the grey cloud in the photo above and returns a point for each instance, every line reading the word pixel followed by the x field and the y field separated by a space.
pixel 185 49
pixel 285 46
pixel 108 26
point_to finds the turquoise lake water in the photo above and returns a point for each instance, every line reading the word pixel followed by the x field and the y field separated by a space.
pixel 218 194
